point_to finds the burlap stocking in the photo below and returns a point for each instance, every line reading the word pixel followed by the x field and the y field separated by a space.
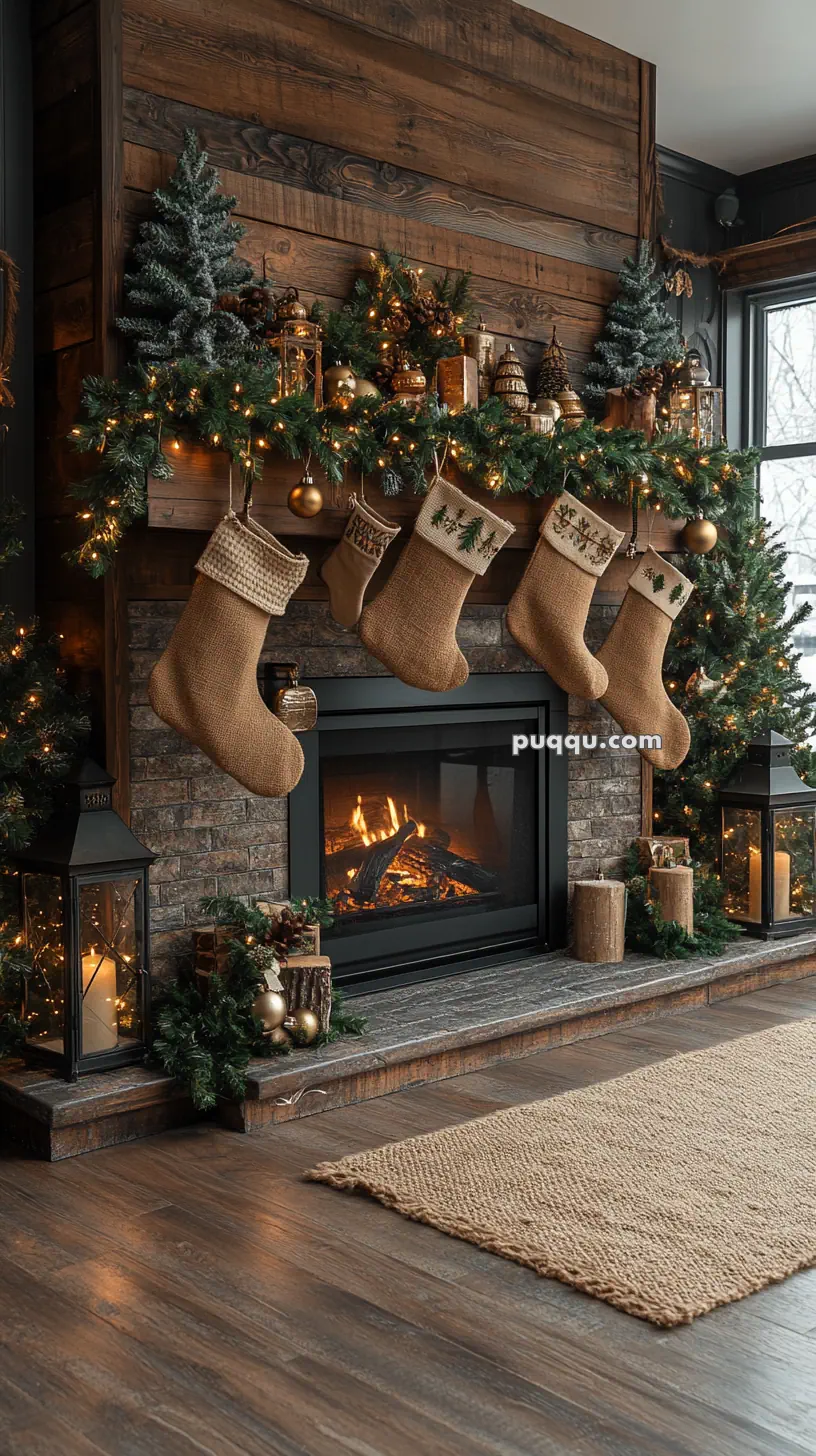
pixel 205 684
pixel 352 563
pixel 548 612
pixel 632 656
pixel 411 625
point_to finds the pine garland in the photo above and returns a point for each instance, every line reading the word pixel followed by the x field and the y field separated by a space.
pixel 137 427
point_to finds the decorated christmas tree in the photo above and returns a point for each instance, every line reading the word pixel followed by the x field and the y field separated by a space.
pixel 185 263
pixel 737 628
pixel 639 331
pixel 41 727
pixel 553 374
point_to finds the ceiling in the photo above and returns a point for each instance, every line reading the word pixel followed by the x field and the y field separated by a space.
pixel 735 78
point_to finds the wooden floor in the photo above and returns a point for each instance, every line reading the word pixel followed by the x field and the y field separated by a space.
pixel 191 1294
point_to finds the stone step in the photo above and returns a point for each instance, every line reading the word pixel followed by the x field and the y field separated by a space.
pixel 420 1033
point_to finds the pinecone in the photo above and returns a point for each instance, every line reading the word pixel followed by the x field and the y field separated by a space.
pixel 253 307
pixel 553 374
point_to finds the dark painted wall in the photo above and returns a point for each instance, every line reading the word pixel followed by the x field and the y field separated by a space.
pixel 775 197
pixel 17 451
pixel 689 192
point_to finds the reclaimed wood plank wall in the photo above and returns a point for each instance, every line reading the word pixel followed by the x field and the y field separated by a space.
pixel 472 134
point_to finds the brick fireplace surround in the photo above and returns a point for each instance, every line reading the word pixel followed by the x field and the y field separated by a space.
pixel 212 837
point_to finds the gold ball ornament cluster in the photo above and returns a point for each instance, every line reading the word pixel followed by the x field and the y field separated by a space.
pixel 305 499
pixel 303 1026
pixel 270 1008
pixel 700 536
pixel 339 384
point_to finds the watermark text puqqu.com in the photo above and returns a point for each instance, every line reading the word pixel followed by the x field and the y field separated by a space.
pixel 578 743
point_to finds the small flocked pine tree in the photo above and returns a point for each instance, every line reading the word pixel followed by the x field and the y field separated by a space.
pixel 186 262
pixel 553 374
pixel 737 627
pixel 41 727
pixel 639 331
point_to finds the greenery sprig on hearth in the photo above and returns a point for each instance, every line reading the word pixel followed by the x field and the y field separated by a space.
pixel 206 1034
pixel 647 931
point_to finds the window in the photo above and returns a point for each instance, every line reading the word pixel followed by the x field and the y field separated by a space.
pixel 784 426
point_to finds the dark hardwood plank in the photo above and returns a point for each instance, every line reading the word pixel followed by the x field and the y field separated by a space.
pixel 331 173
pixel 507 39
pixel 63 316
pixel 192 1293
pixel 283 63
pixel 63 245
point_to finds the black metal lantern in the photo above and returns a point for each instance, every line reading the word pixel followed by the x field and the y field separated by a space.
pixel 84 887
pixel 769 842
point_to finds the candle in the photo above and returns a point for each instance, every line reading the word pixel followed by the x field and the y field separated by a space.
pixel 782 878
pixel 100 1031
pixel 754 885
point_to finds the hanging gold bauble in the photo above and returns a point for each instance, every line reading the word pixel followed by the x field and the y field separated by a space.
pixel 305 499
pixel 366 389
pixel 270 1008
pixel 572 411
pixel 700 536
pixel 700 685
pixel 302 1026
pixel 408 382
pixel 339 384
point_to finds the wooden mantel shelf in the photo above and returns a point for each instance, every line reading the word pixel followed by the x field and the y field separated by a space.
pixel 793 255
pixel 197 497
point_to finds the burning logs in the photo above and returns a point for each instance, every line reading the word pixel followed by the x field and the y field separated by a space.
pixel 444 863
pixel 376 860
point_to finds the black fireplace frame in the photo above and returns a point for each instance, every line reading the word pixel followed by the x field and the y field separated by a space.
pixel 375 702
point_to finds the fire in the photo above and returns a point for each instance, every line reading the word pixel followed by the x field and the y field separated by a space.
pixel 370 836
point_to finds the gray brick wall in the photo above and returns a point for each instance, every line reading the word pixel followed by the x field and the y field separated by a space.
pixel 211 836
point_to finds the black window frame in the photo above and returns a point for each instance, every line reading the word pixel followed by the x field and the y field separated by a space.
pixel 757 304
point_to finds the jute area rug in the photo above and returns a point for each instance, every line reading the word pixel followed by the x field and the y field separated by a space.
pixel 666 1192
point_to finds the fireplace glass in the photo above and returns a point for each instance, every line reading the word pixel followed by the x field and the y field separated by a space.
pixel 436 819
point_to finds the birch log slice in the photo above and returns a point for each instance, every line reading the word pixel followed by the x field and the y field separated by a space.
pixel 598 920
pixel 674 891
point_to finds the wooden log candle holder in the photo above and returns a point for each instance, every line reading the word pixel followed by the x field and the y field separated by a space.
pixel 674 891
pixel 599 921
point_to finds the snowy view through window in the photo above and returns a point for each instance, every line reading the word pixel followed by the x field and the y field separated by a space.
pixel 788 486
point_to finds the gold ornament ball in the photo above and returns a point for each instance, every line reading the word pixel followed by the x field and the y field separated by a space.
pixel 339 384
pixel 302 1026
pixel 278 1037
pixel 270 1008
pixel 700 536
pixel 366 389
pixel 305 499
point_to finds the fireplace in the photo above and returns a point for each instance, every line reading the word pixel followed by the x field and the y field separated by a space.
pixel 437 847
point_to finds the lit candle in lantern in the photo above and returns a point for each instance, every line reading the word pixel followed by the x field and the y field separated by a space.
pixel 100 1031
pixel 782 880
pixel 754 885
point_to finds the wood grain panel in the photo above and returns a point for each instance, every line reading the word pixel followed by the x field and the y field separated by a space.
pixel 64 57
pixel 791 256
pixel 63 245
pixel 64 171
pixel 336 175
pixel 285 63
pixel 64 316
pixel 262 200
pixel 510 41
